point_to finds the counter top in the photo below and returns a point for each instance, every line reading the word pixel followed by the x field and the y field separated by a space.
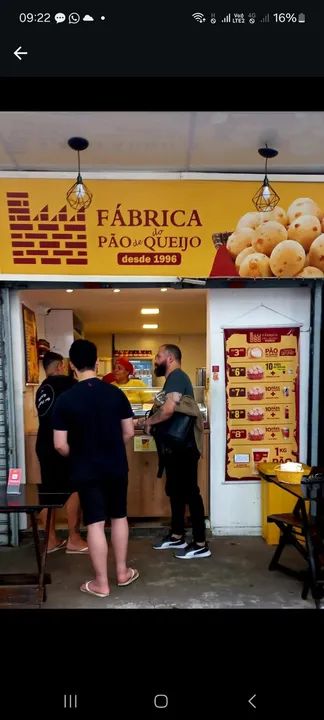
pixel 140 432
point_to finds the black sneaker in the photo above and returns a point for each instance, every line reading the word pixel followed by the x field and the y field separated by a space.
pixel 194 551
pixel 170 542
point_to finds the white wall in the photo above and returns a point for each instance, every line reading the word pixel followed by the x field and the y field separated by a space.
pixel 236 506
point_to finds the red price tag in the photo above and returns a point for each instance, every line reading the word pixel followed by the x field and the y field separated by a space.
pixel 237 352
pixel 238 434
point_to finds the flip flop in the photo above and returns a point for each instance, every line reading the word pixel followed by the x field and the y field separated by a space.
pixel 87 589
pixel 60 546
pixel 133 577
pixel 84 551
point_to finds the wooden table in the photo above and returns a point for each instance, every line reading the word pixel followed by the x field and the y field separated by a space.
pixel 21 589
pixel 304 530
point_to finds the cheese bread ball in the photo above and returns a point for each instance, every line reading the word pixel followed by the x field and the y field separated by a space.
pixel 239 240
pixel 255 265
pixel 250 220
pixel 287 259
pixel 278 214
pixel 311 272
pixel 243 254
pixel 305 229
pixel 267 236
pixel 303 206
pixel 316 253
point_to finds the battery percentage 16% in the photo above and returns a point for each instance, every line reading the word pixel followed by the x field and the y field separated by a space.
pixel 285 17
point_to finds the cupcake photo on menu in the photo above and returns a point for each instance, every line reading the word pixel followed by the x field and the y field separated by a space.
pixel 255 393
pixel 255 414
pixel 256 434
pixel 255 372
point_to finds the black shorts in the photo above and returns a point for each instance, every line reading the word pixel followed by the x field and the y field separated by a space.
pixel 55 479
pixel 104 500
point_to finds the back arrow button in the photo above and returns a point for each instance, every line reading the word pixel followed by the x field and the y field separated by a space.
pixel 19 52
pixel 251 701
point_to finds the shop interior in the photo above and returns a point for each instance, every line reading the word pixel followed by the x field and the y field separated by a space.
pixel 133 323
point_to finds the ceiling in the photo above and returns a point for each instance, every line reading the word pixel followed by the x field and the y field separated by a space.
pixel 162 141
pixel 182 312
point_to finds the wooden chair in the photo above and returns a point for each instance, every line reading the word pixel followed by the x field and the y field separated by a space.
pixel 305 532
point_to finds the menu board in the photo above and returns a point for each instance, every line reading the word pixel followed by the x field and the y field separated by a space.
pixel 262 398
pixel 31 353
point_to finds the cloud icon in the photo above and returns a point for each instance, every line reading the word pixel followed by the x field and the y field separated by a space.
pixel 87 18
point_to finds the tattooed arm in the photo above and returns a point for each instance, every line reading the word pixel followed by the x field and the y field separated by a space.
pixel 165 412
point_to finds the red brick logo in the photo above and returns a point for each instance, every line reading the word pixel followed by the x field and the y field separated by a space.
pixel 51 241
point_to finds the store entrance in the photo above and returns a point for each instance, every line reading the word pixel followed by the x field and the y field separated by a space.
pixel 129 323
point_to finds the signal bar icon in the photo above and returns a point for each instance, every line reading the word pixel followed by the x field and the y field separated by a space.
pixel 227 18
pixel 266 18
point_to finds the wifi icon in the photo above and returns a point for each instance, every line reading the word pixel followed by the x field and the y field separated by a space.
pixel 199 17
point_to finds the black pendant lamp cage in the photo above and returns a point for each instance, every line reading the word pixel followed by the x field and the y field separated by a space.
pixel 266 198
pixel 79 197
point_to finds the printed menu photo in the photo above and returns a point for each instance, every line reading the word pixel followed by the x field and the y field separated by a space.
pixel 262 385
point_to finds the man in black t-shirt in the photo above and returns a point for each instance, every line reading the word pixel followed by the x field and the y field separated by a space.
pixel 54 469
pixel 92 423
pixel 181 463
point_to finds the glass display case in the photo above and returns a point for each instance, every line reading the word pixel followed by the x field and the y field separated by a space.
pixel 142 398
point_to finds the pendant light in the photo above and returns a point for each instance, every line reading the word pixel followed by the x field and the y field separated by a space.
pixel 79 197
pixel 266 199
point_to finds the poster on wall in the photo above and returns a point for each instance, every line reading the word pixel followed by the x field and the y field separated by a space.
pixel 177 228
pixel 31 352
pixel 262 398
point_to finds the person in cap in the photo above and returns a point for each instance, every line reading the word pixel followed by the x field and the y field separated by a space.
pixel 54 468
pixel 122 371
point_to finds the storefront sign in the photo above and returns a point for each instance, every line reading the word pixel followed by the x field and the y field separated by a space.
pixel 262 389
pixel 184 228
pixel 31 352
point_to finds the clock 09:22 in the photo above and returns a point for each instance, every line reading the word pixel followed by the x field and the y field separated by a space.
pixel 34 17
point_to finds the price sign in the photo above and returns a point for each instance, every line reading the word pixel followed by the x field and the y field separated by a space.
pixel 237 392
pixel 237 371
pixel 237 352
pixel 238 434
pixel 237 414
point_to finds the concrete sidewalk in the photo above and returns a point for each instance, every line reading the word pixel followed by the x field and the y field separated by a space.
pixel 236 576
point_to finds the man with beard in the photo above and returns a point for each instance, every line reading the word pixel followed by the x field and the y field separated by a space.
pixel 181 463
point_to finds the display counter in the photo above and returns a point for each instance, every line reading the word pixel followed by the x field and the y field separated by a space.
pixel 146 492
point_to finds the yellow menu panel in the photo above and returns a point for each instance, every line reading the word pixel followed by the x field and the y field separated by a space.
pixel 262 398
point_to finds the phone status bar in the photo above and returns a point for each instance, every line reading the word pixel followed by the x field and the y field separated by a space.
pixel 251 18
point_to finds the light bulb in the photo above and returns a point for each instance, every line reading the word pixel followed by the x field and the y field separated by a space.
pixel 80 193
pixel 266 192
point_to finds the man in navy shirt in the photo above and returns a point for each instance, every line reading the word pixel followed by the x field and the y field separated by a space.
pixel 181 463
pixel 92 423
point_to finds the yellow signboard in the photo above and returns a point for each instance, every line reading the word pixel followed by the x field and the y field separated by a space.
pixel 183 228
pixel 262 388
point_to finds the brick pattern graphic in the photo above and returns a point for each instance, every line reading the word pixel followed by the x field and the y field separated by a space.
pixel 59 240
